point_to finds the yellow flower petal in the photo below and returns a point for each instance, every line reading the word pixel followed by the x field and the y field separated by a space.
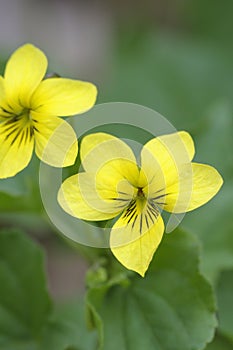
pixel 63 97
pixel 16 147
pixel 137 254
pixel 195 188
pixel 99 148
pixel 117 178
pixel 163 157
pixel 55 141
pixel 24 71
pixel 180 142
pixel 78 197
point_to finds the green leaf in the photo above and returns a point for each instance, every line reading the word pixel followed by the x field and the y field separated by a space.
pixel 15 186
pixel 28 321
pixel 213 224
pixel 71 315
pixel 172 308
pixel 24 301
pixel 24 186
pixel 19 184
pixel 224 337
pixel 225 305
pixel 220 343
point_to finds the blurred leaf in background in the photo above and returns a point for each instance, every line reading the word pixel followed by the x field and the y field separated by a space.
pixel 224 338
pixel 28 319
pixel 220 343
pixel 224 294
pixel 22 283
pixel 211 21
pixel 177 76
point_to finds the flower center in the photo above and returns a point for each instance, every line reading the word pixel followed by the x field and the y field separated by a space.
pixel 140 193
pixel 18 127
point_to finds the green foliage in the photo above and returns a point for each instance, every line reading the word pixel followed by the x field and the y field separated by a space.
pixel 215 139
pixel 25 304
pixel 213 224
pixel 14 186
pixel 174 304
pixel 28 320
pixel 181 78
pixel 172 308
pixel 220 343
pixel 75 332
pixel 21 193
pixel 224 294
pixel 211 20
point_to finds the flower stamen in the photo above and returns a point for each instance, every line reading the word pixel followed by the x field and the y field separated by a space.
pixel 19 126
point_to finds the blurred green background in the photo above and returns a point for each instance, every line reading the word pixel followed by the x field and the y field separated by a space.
pixel 175 56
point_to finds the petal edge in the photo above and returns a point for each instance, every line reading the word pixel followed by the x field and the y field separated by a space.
pixel 137 255
pixel 63 97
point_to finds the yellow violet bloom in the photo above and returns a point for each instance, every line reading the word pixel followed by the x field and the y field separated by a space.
pixel 114 184
pixel 29 110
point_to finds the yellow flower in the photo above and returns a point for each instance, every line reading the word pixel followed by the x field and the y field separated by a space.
pixel 114 185
pixel 29 110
